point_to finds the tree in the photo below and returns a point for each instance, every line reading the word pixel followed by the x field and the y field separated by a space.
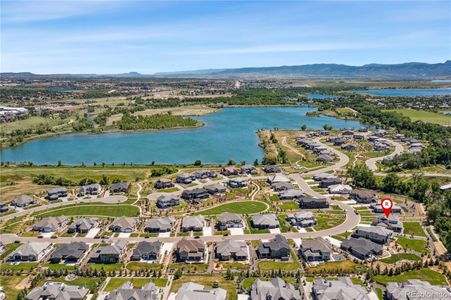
pixel 327 127
pixel 256 162
pixel 392 183
pixel 362 176
pixel 198 163
pixel 177 274
pixel 304 127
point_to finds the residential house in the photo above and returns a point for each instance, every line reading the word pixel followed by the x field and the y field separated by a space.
pixel 190 250
pixel 50 224
pixel 275 289
pixel 109 254
pixel 278 177
pixel 282 186
pixel 277 248
pixel 363 196
pixel 325 158
pixel 184 178
pixel 82 225
pixel 376 207
pixel 159 224
pixel 302 219
pixel 124 224
pixel 192 223
pixel 194 291
pixel 380 147
pixel 69 253
pixel 248 169
pixel 343 288
pixel 22 201
pixel 361 248
pixel 32 251
pixel 232 250
pixel 120 187
pixel 90 189
pixel 358 137
pixel 3 207
pixel 391 223
pixel 149 251
pixel 313 203
pixel 202 174
pixel 215 189
pixel 228 220
pixel 422 289
pixel 229 171
pixel 195 195
pixel 271 169
pixel 56 193
pixel 290 194
pixel 163 183
pixel 238 182
pixel 57 291
pixel 348 132
pixel 314 250
pixel 166 201
pixel 376 234
pixel 322 176
pixel 325 183
pixel 265 221
pixel 341 189
pixel 381 132
pixel 349 147
pixel 127 292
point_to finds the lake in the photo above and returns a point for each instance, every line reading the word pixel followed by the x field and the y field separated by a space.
pixel 227 134
pixel 406 92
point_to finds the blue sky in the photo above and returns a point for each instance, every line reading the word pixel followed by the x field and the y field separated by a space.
pixel 99 36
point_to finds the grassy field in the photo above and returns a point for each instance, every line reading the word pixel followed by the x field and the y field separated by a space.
pixel 346 266
pixel 431 276
pixel 115 283
pixel 413 228
pixel 401 256
pixel 329 219
pixel 9 284
pixel 90 283
pixel 188 268
pixel 412 244
pixel 289 206
pixel 94 210
pixel 207 281
pixel 268 265
pixel 105 267
pixel 23 267
pixel 425 116
pixel 133 266
pixel 242 207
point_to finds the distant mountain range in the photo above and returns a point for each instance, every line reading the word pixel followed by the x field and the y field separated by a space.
pixel 412 70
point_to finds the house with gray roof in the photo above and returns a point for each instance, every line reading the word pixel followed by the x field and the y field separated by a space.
pixel 341 189
pixel 215 188
pixel 184 178
pixel 361 248
pixel 238 182
pixel 194 291
pixel 376 234
pixel 231 250
pixel 314 250
pixel 282 186
pixel 159 224
pixel 376 207
pixel 202 174
pixel 193 223
pixel 322 176
pixel 166 201
pixel 120 187
pixel 50 224
pixel 277 248
pixel 302 219
pixel 415 289
pixel 127 292
pixel 56 193
pixel 22 201
pixel 57 291
pixel 3 207
pixel 276 289
pixel 248 169
pixel 278 177
pixel 195 195
pixel 343 288
pixel 69 253
pixel 229 171
pixel 82 225
pixel 265 221
pixel 308 202
pixel 325 158
pixel 109 254
pixel 290 194
pixel 228 220
pixel 164 183
pixel 190 250
pixel 147 251
pixel 271 169
pixel 363 196
pixel 124 224
pixel 90 189
pixel 392 223
pixel 325 183
pixel 32 251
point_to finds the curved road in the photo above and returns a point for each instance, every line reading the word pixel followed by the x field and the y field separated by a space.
pixel 371 163
pixel 343 160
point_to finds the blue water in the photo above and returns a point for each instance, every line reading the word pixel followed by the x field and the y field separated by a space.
pixel 227 134
pixel 312 96
pixel 406 92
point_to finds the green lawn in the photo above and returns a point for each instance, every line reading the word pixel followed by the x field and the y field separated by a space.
pixel 345 266
pixel 413 228
pixel 268 265
pixel 380 293
pixel 115 283
pixel 188 268
pixel 241 207
pixel 431 276
pixel 9 248
pixel 94 210
pixel 88 282
pixel 9 285
pixel 289 206
pixel 105 267
pixel 425 116
pixel 24 267
pixel 401 256
pixel 57 267
pixel 133 266
pixel 208 281
pixel 412 244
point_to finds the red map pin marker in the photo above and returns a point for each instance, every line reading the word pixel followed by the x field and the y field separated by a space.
pixel 387 205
